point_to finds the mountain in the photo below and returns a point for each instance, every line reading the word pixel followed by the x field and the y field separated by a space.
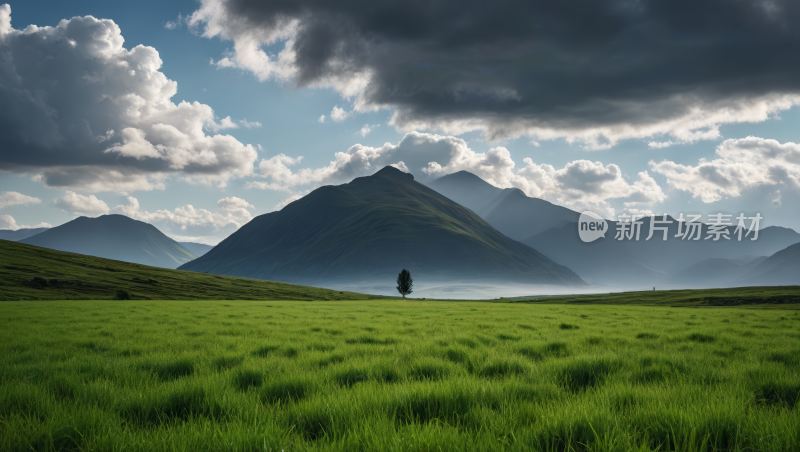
pixel 19 234
pixel 782 268
pixel 716 271
pixel 553 230
pixel 114 237
pixel 370 229
pixel 509 210
pixel 644 263
pixel 198 249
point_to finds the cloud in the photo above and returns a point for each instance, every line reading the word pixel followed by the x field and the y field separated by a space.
pixel 76 204
pixel 659 144
pixel 172 25
pixel 190 221
pixel 8 222
pixel 338 114
pixel 248 124
pixel 366 129
pixel 225 123
pixel 81 112
pixel 591 71
pixel 237 207
pixel 580 184
pixel 12 198
pixel 321 119
pixel 287 201
pixel 743 164
pixel 777 201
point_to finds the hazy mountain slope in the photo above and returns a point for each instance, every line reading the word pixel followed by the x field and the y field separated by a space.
pixel 715 271
pixel 20 234
pixel 198 249
pixel 372 228
pixel 114 237
pixel 509 210
pixel 782 268
pixel 518 216
pixel 466 189
pixel 648 262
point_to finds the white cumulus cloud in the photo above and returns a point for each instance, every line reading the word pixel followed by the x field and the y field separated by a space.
pixel 189 221
pixel 12 198
pixel 76 204
pixel 742 164
pixel 8 222
pixel 338 114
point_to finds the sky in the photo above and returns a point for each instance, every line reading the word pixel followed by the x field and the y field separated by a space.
pixel 198 116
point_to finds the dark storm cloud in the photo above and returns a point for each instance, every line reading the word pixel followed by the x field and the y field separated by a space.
pixel 515 67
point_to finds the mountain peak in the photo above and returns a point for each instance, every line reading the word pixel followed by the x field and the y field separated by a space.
pixel 116 237
pixel 464 177
pixel 367 230
pixel 393 173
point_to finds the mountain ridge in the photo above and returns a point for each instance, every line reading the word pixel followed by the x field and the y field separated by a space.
pixel 114 237
pixel 371 228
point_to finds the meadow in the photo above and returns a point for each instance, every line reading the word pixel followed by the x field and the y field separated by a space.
pixel 396 375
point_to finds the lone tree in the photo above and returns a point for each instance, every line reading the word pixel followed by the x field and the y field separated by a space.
pixel 404 283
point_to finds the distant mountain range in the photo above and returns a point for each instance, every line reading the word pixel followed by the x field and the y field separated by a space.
pixel 458 228
pixel 370 229
pixel 114 237
pixel 780 269
pixel 19 234
pixel 198 249
pixel 631 263
pixel 714 272
pixel 553 230
pixel 509 210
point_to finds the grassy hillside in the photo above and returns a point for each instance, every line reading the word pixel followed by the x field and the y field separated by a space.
pixel 395 375
pixel 706 297
pixel 76 276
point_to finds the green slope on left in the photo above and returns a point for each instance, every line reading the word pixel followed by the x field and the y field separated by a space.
pixel 61 275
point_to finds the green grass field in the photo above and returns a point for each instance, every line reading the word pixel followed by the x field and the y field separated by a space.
pixel 393 375
pixel 735 296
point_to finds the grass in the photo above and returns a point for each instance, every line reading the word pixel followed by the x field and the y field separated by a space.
pixel 32 273
pixel 735 296
pixel 396 375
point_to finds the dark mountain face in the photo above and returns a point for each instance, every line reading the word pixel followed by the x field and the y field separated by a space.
pixel 369 230
pixel 114 237
pixel 782 268
pixel 509 210
pixel 20 234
